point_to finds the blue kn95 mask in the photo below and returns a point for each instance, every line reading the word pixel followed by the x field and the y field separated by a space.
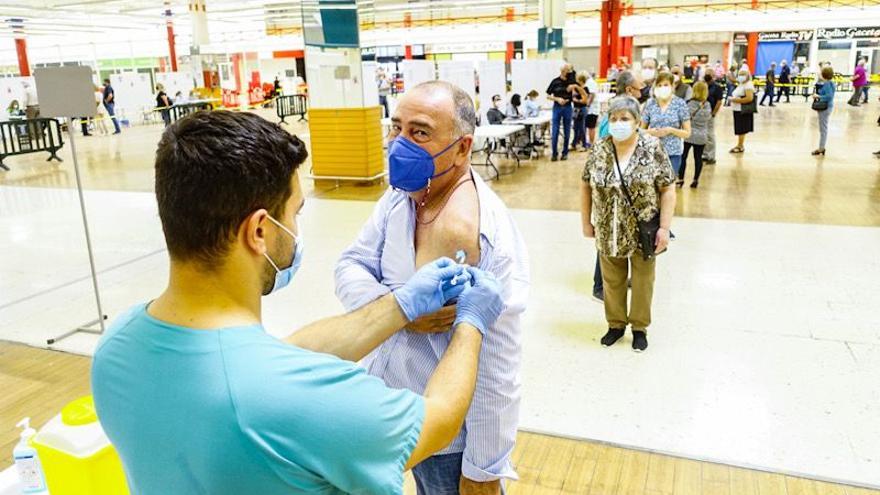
pixel 411 168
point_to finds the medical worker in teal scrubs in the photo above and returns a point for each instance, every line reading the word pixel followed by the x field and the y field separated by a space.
pixel 195 395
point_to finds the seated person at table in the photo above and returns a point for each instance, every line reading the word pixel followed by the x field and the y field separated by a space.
pixel 532 107
pixel 495 116
pixel 513 111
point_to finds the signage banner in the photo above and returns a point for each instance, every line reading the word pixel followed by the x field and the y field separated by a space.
pixel 803 35
pixel 741 38
pixel 845 33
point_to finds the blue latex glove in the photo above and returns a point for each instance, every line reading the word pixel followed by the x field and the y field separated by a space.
pixel 480 304
pixel 429 289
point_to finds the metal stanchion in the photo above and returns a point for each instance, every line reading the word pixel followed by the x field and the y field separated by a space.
pixel 88 327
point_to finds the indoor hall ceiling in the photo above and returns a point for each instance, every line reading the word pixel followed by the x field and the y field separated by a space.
pixel 53 17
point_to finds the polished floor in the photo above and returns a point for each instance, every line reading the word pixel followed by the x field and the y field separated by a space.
pixel 43 381
pixel 764 348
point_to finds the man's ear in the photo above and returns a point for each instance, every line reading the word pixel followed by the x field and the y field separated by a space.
pixel 464 147
pixel 252 232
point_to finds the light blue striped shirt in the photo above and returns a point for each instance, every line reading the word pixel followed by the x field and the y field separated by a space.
pixel 383 259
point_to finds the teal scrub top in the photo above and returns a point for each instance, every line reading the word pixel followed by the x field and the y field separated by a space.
pixel 236 411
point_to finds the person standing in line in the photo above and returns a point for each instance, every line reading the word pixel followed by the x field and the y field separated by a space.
pixel 559 92
pixel 784 80
pixel 770 84
pixel 859 81
pixel 730 83
pixel 31 107
pixel 743 119
pixel 649 74
pixel 715 99
pixel 679 87
pixel 825 94
pixel 384 86
pixel 666 117
pixel 636 160
pixel 592 119
pixel 163 103
pixel 581 98
pixel 110 104
pixel 100 112
pixel 701 117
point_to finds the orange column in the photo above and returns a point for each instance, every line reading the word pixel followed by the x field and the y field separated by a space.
pixel 236 69
pixel 407 52
pixel 753 51
pixel 604 43
pixel 509 17
pixel 24 68
pixel 609 43
pixel 172 52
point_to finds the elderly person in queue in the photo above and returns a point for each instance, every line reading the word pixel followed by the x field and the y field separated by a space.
pixel 634 162
pixel 824 93
pixel 666 116
pixel 743 118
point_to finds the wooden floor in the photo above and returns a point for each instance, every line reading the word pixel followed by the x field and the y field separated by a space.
pixel 775 180
pixel 37 383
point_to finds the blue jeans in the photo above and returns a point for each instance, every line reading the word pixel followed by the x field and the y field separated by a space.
pixel 561 113
pixel 438 475
pixel 580 128
pixel 676 163
pixel 597 276
pixel 112 113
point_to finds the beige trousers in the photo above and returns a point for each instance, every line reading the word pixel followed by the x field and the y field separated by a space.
pixel 615 272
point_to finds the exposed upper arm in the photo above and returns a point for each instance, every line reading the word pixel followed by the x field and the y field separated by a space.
pixel 457 228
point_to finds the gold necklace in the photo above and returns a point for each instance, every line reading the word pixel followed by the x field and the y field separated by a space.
pixel 446 199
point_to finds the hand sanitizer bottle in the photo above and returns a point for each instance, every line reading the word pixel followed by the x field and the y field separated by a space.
pixel 30 471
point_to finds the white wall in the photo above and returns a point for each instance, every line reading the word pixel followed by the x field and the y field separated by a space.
pixel 583 58
pixel 272 67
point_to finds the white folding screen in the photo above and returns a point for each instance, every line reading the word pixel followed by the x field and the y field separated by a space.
pixel 133 93
pixel 460 73
pixel 371 88
pixel 175 82
pixel 492 82
pixel 416 72
pixel 527 75
pixel 12 88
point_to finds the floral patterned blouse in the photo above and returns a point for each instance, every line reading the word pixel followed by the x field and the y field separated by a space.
pixel 675 115
pixel 647 171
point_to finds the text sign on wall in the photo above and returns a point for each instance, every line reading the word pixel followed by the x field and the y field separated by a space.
pixel 803 35
pixel 843 33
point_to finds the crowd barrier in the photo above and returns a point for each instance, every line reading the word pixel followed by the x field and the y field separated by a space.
pixel 292 105
pixel 179 111
pixel 24 136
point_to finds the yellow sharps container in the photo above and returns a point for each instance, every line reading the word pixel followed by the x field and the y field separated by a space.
pixel 77 456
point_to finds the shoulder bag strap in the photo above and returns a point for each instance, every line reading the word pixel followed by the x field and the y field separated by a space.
pixel 623 181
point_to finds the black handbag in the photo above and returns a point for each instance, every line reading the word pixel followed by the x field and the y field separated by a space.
pixel 647 231
pixel 819 105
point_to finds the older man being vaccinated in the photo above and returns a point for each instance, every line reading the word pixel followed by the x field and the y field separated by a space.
pixel 438 206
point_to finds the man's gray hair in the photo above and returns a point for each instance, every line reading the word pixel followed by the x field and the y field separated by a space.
pixel 465 114
pixel 624 80
pixel 625 104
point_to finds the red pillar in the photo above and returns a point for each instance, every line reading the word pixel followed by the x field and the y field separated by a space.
pixel 753 51
pixel 171 50
pixel 24 68
pixel 236 69
pixel 626 50
pixel 407 52
pixel 604 42
pixel 609 42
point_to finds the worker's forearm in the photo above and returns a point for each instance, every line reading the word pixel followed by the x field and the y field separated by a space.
pixel 586 205
pixel 455 377
pixel 354 335
pixel 667 208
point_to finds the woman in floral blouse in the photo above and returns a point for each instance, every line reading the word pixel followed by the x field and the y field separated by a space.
pixel 607 216
pixel 666 116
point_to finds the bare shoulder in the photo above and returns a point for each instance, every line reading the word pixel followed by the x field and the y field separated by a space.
pixel 459 225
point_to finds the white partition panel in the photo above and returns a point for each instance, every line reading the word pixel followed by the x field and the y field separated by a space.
pixel 460 73
pixel 416 71
pixel 371 88
pixel 492 82
pixel 174 82
pixel 12 88
pixel 527 75
pixel 133 94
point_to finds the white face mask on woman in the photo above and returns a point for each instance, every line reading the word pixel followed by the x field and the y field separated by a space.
pixel 741 79
pixel 663 92
pixel 648 74
pixel 620 130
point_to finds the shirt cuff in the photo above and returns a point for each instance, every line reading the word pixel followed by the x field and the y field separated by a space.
pixel 501 469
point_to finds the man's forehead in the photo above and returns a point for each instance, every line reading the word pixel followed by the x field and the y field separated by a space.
pixel 427 107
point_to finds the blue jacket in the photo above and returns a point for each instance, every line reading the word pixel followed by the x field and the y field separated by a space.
pixel 826 90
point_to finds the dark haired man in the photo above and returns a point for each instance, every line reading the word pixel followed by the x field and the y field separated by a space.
pixel 198 398
pixel 110 104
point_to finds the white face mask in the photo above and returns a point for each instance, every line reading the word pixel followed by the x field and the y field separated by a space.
pixel 648 74
pixel 620 130
pixel 741 79
pixel 663 92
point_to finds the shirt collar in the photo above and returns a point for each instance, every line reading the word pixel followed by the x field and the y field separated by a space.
pixel 487 216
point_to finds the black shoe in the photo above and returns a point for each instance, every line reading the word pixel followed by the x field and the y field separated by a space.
pixel 707 161
pixel 564 157
pixel 118 132
pixel 695 184
pixel 613 335
pixel 599 295
pixel 554 158
pixel 640 340
pixel 87 134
